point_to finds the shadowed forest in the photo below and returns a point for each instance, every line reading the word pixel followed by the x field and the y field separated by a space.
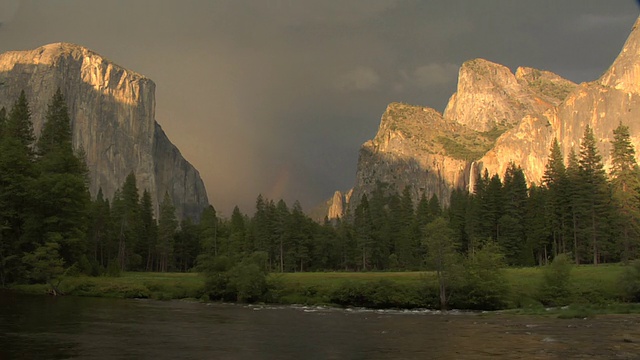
pixel 50 227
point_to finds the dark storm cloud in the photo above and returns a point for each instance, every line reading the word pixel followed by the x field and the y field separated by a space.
pixel 275 97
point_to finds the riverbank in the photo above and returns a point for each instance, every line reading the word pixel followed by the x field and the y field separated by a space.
pixel 594 289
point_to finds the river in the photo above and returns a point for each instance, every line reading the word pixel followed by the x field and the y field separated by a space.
pixel 44 327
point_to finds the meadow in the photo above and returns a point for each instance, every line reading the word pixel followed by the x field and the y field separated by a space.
pixel 594 288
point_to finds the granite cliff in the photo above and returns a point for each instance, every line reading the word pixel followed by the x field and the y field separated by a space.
pixel 113 120
pixel 497 117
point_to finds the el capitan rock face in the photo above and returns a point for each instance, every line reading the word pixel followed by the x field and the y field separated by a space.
pixel 113 120
pixel 497 117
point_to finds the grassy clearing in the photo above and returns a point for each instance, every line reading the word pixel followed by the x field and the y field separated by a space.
pixel 162 286
pixel 595 289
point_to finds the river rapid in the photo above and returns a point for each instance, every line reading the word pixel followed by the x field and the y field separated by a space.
pixel 44 327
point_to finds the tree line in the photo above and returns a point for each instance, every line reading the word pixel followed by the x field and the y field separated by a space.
pixel 49 224
pixel 577 209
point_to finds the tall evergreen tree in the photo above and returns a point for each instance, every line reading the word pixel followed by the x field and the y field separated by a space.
pixel 594 195
pixel 283 217
pixel 149 232
pixel 625 181
pixel 167 227
pixel 61 194
pixel 409 243
pixel 301 238
pixel 363 229
pixel 237 234
pixel 557 209
pixel 3 120
pixel 262 227
pixel 492 206
pixel 460 216
pixel 186 245
pixel 209 224
pixel 577 211
pixel 383 205
pixel 537 225
pixel 511 235
pixel 99 230
pixel 17 174
pixel 127 222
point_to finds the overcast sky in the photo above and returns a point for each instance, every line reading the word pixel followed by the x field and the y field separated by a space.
pixel 276 96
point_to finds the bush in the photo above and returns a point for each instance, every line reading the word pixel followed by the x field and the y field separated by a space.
pixel 244 282
pixel 485 285
pixel 248 282
pixel 383 294
pixel 555 289
pixel 630 282
pixel 113 269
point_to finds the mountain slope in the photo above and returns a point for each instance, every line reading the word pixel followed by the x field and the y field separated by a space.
pixel 497 117
pixel 113 120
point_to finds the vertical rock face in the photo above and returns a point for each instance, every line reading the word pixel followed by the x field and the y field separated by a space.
pixel 601 104
pixel 490 96
pixel 410 149
pixel 332 209
pixel 624 73
pixel 338 204
pixel 113 120
pixel 497 117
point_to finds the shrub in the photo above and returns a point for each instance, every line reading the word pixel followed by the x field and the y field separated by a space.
pixel 113 269
pixel 248 282
pixel 383 294
pixel 485 286
pixel 244 282
pixel 630 282
pixel 555 288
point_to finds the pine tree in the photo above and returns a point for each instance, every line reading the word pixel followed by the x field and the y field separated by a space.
pixel 99 229
pixel 3 120
pixel 460 215
pixel 557 207
pixel 149 231
pixel 408 243
pixel 261 226
pixel 61 195
pixel 237 234
pixel 383 207
pixel 594 195
pixel 511 235
pixel 577 211
pixel 209 231
pixel 301 238
pixel 17 174
pixel 283 240
pixel 537 225
pixel 492 206
pixel 186 246
pixel 625 181
pixel 127 223
pixel 167 227
pixel 363 229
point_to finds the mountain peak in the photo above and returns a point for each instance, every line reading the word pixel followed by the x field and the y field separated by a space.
pixel 54 53
pixel 113 119
pixel 624 73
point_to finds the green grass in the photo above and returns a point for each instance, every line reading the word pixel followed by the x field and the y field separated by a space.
pixel 595 289
pixel 162 286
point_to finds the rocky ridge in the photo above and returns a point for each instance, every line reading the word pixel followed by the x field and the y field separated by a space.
pixel 497 117
pixel 113 120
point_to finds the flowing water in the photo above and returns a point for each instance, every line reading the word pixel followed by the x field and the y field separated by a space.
pixel 43 327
